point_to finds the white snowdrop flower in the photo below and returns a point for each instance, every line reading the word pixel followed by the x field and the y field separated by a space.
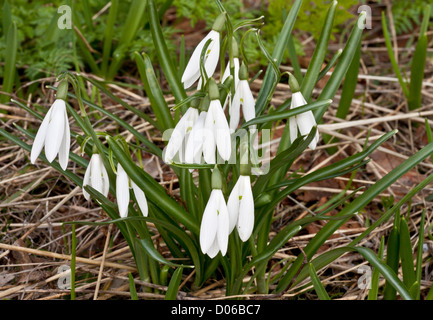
pixel 54 134
pixel 242 97
pixel 96 176
pixel 217 133
pixel 214 229
pixel 177 140
pixel 192 69
pixel 123 182
pixel 240 206
pixel 304 121
pixel 194 145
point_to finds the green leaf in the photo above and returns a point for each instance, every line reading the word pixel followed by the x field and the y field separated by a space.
pixel 355 206
pixel 173 286
pixel 318 286
pixel 406 255
pixel 163 54
pixel 313 71
pixel 417 73
pixel 392 57
pixel 157 101
pixel 373 292
pixel 277 55
pixel 149 247
pixel 10 60
pixel 132 288
pixel 342 66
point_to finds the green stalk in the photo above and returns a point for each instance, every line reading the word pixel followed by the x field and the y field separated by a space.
pixel 108 36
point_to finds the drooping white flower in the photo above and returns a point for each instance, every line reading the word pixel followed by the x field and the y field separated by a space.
pixel 304 121
pixel 96 176
pixel 54 135
pixel 216 129
pixel 194 145
pixel 123 183
pixel 240 206
pixel 214 229
pixel 217 134
pixel 192 69
pixel 177 140
pixel 243 97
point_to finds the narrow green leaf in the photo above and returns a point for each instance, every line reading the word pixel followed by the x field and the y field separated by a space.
pixel 277 55
pixel 313 71
pixel 342 66
pixel 374 290
pixel 406 255
pixel 318 286
pixel 392 57
pixel 149 247
pixel 158 103
pixel 355 206
pixel 10 62
pixel 417 73
pixel 420 251
pixel 349 85
pixel 163 54
pixel 173 286
pixel 132 288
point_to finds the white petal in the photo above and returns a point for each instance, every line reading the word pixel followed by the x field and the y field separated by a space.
pixel 86 180
pixel 233 205
pixel 223 223
pixel 212 58
pixel 141 199
pixel 293 129
pixel 249 105
pixel 235 109
pixel 122 191
pixel 298 100
pixel 245 223
pixel 39 141
pixel 195 140
pixel 178 134
pixel 306 122
pixel 192 69
pixel 105 181
pixel 209 222
pixel 222 131
pixel 96 173
pixel 56 128
pixel 65 145
pixel 209 144
pixel 213 249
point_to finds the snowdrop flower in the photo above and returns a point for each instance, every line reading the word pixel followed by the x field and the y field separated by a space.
pixel 194 145
pixel 243 96
pixel 96 176
pixel 122 193
pixel 217 132
pixel 241 201
pixel 179 135
pixel 304 121
pixel 192 69
pixel 241 208
pixel 54 134
pixel 214 229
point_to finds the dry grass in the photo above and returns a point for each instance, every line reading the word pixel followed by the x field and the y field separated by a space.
pixel 36 199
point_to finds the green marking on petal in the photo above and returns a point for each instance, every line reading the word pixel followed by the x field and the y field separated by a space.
pixel 240 197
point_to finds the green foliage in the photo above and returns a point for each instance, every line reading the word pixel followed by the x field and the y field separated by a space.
pixel 407 14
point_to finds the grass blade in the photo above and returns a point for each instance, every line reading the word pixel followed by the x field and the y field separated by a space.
pixel 10 66
pixel 173 286
pixel 318 286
